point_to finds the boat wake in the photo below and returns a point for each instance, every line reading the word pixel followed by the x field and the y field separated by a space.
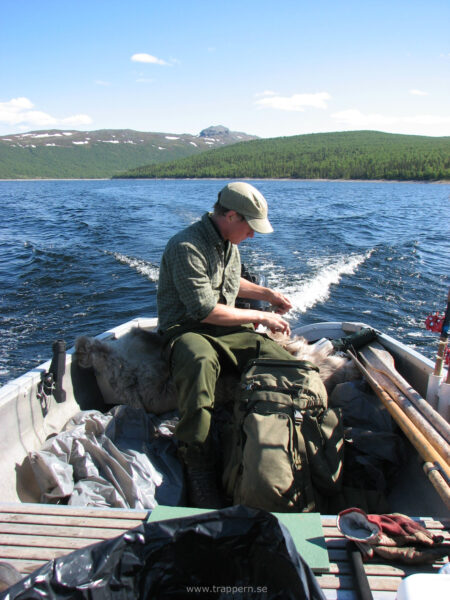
pixel 303 291
pixel 316 288
pixel 143 267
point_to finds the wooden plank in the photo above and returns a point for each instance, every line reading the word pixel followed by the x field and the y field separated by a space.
pixel 73 511
pixel 331 532
pixel 75 521
pixel 331 582
pixel 344 582
pixel 431 523
pixel 33 534
pixel 61 530
pixel 328 521
pixel 25 566
pixel 41 554
pixel 39 541
pixel 377 569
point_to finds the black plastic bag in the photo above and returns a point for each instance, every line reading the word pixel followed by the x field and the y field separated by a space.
pixel 237 552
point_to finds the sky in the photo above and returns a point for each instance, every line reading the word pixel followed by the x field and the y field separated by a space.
pixel 264 67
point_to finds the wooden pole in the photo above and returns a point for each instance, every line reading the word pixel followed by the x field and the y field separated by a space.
pixel 380 359
pixel 439 483
pixel 434 438
pixel 417 439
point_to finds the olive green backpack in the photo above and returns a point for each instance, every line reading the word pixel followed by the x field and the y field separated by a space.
pixel 284 448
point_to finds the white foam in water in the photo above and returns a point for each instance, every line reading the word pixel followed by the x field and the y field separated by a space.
pixel 304 294
pixel 309 292
pixel 143 267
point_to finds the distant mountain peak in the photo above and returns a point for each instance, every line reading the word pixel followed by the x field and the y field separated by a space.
pixel 55 153
pixel 214 130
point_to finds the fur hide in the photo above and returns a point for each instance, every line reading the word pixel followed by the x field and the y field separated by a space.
pixel 132 370
pixel 334 367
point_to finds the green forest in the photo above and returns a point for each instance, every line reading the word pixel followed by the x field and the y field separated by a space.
pixel 97 160
pixel 341 155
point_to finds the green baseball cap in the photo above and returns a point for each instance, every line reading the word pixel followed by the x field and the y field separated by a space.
pixel 248 202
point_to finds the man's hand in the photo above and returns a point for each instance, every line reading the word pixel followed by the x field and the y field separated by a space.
pixel 225 315
pixel 251 290
pixel 280 302
pixel 274 322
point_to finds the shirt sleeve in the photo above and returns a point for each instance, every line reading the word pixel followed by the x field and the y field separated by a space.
pixel 192 282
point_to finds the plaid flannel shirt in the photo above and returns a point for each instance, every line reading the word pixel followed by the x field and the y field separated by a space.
pixel 199 269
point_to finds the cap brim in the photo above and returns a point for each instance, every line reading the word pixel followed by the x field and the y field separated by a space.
pixel 260 225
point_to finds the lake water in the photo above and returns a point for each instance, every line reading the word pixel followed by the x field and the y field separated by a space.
pixel 78 257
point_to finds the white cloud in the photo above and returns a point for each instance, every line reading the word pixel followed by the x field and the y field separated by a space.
pixel 148 58
pixel 18 111
pixel 418 93
pixel 297 102
pixel 101 82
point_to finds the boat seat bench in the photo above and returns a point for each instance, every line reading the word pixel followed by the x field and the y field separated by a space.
pixel 32 534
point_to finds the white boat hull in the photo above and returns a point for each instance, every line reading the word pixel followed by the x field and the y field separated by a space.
pixel 25 428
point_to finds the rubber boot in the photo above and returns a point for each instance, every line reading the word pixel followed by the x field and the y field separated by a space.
pixel 201 477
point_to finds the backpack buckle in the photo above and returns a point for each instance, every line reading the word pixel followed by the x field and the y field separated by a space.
pixel 298 417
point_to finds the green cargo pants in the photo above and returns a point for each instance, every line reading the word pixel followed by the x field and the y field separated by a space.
pixel 196 359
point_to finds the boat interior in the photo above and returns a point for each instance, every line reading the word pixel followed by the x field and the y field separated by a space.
pixel 32 414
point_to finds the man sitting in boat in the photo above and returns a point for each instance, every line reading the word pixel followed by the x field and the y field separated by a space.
pixel 199 281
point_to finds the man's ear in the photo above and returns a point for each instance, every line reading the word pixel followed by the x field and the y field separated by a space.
pixel 231 215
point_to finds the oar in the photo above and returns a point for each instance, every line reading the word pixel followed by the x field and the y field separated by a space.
pixel 383 361
pixel 434 474
pixel 435 379
pixel 417 439
pixel 424 426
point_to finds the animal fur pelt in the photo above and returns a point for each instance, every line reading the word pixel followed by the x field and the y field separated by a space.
pixel 132 370
pixel 334 367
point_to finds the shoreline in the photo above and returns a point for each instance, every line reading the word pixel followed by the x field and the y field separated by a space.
pixel 439 182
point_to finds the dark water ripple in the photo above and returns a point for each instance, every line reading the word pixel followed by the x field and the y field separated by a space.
pixel 77 257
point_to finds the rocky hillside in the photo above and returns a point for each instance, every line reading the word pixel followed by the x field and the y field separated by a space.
pixel 103 153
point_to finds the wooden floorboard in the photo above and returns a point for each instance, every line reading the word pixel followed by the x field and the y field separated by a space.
pixel 73 511
pixel 63 530
pixel 31 535
pixel 69 521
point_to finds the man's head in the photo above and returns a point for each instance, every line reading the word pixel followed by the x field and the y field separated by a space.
pixel 248 202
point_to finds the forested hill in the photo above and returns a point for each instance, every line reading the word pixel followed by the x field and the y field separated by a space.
pixel 341 155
